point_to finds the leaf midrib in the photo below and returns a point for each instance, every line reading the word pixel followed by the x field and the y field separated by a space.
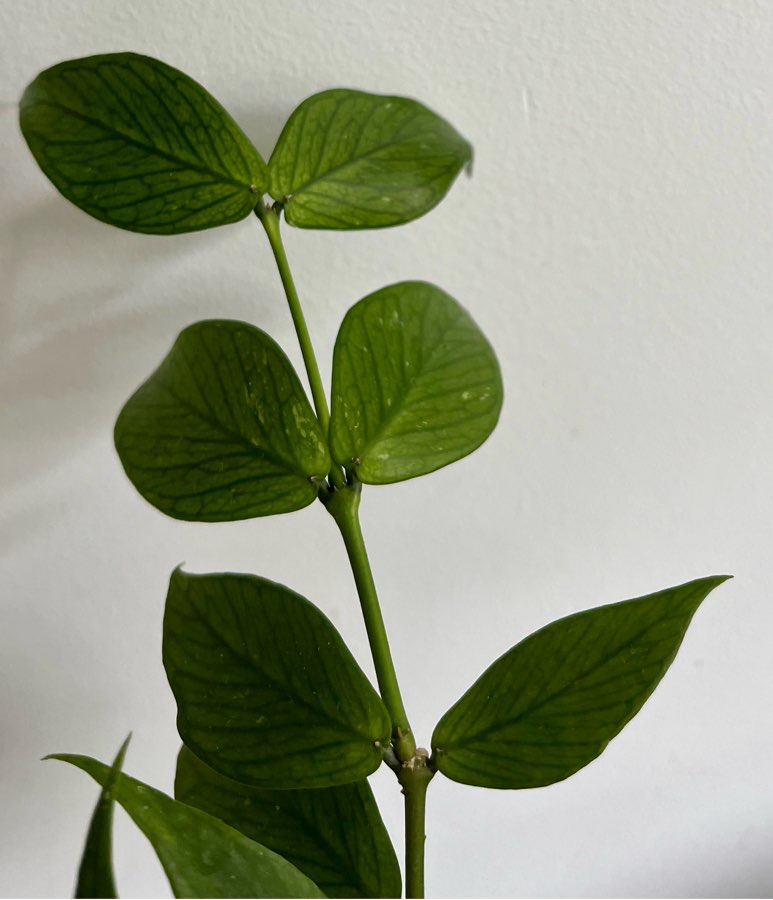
pixel 250 665
pixel 478 735
pixel 195 166
pixel 288 198
pixel 271 454
pixel 399 409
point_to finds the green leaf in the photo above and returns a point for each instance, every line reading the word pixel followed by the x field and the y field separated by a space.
pixel 416 385
pixel 140 145
pixel 267 692
pixel 202 856
pixel 552 703
pixel 95 875
pixel 333 835
pixel 222 430
pixel 346 159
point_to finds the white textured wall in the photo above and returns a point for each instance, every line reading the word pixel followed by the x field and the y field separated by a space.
pixel 616 244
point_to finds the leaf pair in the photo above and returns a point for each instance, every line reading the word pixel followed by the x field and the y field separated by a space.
pixel 271 698
pixel 138 144
pixel 202 856
pixel 223 430
pixel 221 839
pixel 282 726
pixel 538 714
pixel 287 706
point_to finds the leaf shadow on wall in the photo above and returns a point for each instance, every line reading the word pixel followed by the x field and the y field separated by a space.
pixel 76 324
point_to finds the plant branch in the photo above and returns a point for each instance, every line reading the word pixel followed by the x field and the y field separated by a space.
pixel 343 506
pixel 342 503
pixel 269 218
pixel 414 777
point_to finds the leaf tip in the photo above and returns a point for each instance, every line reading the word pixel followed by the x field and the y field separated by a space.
pixel 717 580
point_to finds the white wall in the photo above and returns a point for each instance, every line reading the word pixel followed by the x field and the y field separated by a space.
pixel 615 242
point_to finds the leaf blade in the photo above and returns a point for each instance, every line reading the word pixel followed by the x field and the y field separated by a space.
pixel 552 703
pixel 138 144
pixel 95 874
pixel 416 385
pixel 251 666
pixel 202 856
pixel 222 430
pixel 349 159
pixel 333 835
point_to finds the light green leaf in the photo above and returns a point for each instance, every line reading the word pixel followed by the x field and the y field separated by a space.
pixel 202 856
pixel 552 704
pixel 347 159
pixel 333 835
pixel 95 875
pixel 222 430
pixel 140 145
pixel 267 692
pixel 416 385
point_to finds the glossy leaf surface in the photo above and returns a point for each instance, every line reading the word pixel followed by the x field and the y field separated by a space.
pixel 267 692
pixel 222 430
pixel 416 385
pixel 334 835
pixel 95 875
pixel 551 704
pixel 347 159
pixel 202 856
pixel 138 144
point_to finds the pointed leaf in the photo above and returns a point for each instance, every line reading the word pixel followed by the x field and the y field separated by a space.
pixel 333 835
pixel 202 856
pixel 415 384
pixel 95 875
pixel 347 159
pixel 551 704
pixel 140 145
pixel 222 430
pixel 267 692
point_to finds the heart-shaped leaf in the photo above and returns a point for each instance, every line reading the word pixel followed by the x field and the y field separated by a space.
pixel 222 430
pixel 416 385
pixel 95 875
pixel 202 856
pixel 333 835
pixel 552 704
pixel 138 144
pixel 347 159
pixel 267 692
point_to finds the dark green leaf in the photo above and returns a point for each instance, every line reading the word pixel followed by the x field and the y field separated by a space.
pixel 552 704
pixel 347 159
pixel 95 875
pixel 222 430
pixel 267 692
pixel 202 856
pixel 415 384
pixel 140 145
pixel 333 835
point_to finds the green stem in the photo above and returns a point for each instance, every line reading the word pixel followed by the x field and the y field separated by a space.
pixel 415 776
pixel 269 218
pixel 343 507
pixel 342 502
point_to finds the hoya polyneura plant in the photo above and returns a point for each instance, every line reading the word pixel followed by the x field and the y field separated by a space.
pixel 280 726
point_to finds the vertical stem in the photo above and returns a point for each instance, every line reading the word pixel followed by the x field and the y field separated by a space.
pixel 342 502
pixel 270 220
pixel 415 777
pixel 343 506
